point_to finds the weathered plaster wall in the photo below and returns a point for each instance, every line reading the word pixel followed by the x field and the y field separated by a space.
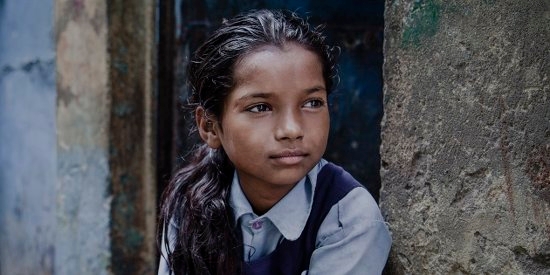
pixel 27 138
pixel 83 105
pixel 77 188
pixel 466 136
pixel 131 136
pixel 106 203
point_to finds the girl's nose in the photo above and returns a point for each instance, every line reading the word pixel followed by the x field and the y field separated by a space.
pixel 289 127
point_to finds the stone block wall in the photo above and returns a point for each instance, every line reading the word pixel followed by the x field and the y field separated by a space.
pixel 466 136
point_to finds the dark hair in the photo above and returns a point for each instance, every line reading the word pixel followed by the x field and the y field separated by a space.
pixel 196 200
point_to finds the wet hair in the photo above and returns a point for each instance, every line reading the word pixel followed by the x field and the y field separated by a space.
pixel 196 201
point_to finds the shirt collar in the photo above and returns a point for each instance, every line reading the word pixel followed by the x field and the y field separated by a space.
pixel 290 214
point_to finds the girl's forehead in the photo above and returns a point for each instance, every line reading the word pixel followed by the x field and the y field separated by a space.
pixel 281 74
pixel 270 58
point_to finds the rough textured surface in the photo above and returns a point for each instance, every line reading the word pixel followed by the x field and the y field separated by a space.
pixel 466 136
pixel 27 138
pixel 131 144
pixel 77 189
pixel 106 203
pixel 83 104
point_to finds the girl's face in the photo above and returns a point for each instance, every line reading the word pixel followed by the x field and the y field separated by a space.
pixel 275 123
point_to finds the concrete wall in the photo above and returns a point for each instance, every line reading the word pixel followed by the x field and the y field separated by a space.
pixel 106 200
pixel 77 188
pixel 466 136
pixel 84 201
pixel 27 138
pixel 132 143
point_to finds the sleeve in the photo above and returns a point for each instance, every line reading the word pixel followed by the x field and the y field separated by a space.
pixel 163 262
pixel 353 238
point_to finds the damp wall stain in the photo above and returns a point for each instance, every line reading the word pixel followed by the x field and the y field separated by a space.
pixel 422 22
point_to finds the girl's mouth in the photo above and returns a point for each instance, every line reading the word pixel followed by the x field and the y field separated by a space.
pixel 289 157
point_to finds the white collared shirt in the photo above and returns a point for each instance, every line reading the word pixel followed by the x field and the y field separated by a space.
pixel 353 238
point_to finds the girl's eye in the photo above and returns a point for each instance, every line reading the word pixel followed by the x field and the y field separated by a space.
pixel 314 103
pixel 259 108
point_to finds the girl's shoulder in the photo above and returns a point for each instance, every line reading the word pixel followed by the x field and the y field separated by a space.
pixel 354 213
pixel 336 179
pixel 347 192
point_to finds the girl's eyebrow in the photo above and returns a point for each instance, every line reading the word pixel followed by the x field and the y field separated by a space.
pixel 315 89
pixel 254 95
pixel 268 95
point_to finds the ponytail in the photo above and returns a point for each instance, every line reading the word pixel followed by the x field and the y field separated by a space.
pixel 196 201
pixel 196 204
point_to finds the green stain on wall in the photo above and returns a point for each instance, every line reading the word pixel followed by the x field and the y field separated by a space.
pixel 120 66
pixel 123 109
pixel 134 239
pixel 422 22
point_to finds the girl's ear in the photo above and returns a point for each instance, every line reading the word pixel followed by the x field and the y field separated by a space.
pixel 208 128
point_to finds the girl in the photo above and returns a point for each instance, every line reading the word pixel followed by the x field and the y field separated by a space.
pixel 257 197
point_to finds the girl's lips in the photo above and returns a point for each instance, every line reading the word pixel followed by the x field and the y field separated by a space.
pixel 289 153
pixel 290 157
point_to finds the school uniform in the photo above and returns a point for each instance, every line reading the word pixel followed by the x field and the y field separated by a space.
pixel 327 224
pixel 352 237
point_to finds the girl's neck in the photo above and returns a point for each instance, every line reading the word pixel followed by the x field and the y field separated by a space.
pixel 262 200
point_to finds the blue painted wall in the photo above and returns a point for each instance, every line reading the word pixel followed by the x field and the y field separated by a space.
pixel 27 137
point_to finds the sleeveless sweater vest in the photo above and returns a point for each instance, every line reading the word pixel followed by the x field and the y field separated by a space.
pixel 292 257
